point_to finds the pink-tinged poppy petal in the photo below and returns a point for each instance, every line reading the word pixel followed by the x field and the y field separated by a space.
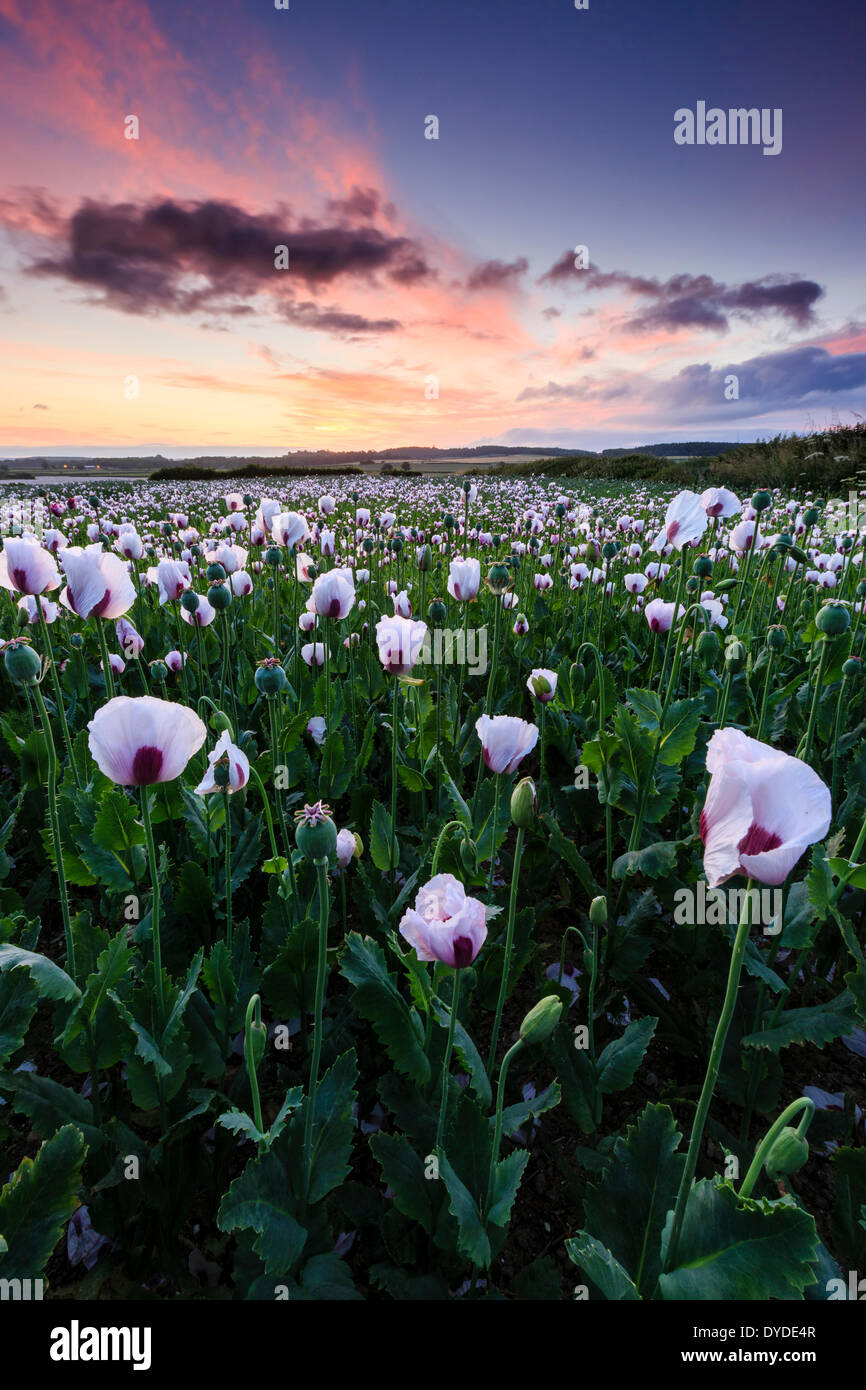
pixel 725 819
pixel 142 740
pixel 26 568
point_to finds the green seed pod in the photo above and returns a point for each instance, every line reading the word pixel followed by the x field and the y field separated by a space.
pixel 437 612
pixel 598 911
pixel 810 516
pixel 852 667
pixel 158 672
pixel 561 509
pixel 541 1020
pixel 498 579
pixel 703 566
pixel 591 553
pixel 761 501
pixel 316 833
pixel 368 544
pixel 777 638
pixel 693 584
pixel 448 522
pixel 524 804
pixel 219 596
pixel 397 544
pixel 214 572
pixel 22 663
pixel 270 678
pixel 222 773
pixel 833 619
pixel 189 601
pixel 77 641
pixel 467 487
pixel 788 1153
pixel 312 572
pixel 609 549
pixel 708 647
pixel 273 555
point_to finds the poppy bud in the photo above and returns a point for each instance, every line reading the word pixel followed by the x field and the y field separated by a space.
pixel 598 911
pixel 258 1042
pixel 524 804
pixel 577 678
pixel 425 559
pixel 788 1153
pixel 158 672
pixel 735 655
pixel 708 647
pixel 221 724
pixel 541 1020
pixel 469 855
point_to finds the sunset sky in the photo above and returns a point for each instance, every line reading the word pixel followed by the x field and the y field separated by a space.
pixel 411 258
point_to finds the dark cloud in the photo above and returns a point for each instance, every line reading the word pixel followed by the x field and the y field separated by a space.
pixel 329 319
pixel 182 257
pixel 362 205
pixel 802 375
pixel 40 407
pixel 695 301
pixel 497 275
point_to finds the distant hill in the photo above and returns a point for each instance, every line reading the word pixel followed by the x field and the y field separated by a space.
pixel 684 448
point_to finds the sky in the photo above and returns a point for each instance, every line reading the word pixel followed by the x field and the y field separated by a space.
pixel 556 267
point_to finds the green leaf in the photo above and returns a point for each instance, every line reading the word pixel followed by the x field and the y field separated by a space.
pixel 655 861
pixel 403 1171
pixel 96 1034
pixel 379 1001
pixel 333 1126
pixel 818 1024
pixel 740 1250
pixel 472 1238
pixel 647 707
pixel 515 1116
pixel 50 1105
pixel 50 980
pixel 679 731
pixel 37 1202
pixel 506 1181
pixel 567 851
pixel 261 1199
pixel 327 1278
pixel 468 1054
pixel 18 999
pixel 577 1076
pixel 621 1058
pixel 601 1267
pixel 626 1211
pixel 380 840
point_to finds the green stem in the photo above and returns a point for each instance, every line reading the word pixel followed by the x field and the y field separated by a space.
pixel 253 1017
pixel 446 1062
pixel 228 847
pixel 321 967
pixel 724 1023
pixel 803 1103
pixel 155 907
pixel 58 694
pixel 51 787
pixel 509 942
pixel 497 1132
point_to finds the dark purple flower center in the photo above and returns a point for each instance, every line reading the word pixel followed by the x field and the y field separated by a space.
pixel 757 840
pixel 463 952
pixel 146 766
pixel 19 579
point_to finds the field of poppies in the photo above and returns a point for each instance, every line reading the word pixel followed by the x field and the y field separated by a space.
pixel 431 890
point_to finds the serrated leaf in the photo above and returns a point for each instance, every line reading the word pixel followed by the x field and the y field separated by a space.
pixel 506 1180
pixel 740 1250
pixel 37 1202
pixel 50 980
pixel 380 840
pixel 472 1238
pixel 621 1058
pixel 403 1171
pixel 818 1024
pixel 379 1001
pixel 601 1267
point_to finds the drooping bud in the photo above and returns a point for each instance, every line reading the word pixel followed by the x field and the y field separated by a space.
pixel 735 655
pixel 708 647
pixel 788 1153
pixel 22 662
